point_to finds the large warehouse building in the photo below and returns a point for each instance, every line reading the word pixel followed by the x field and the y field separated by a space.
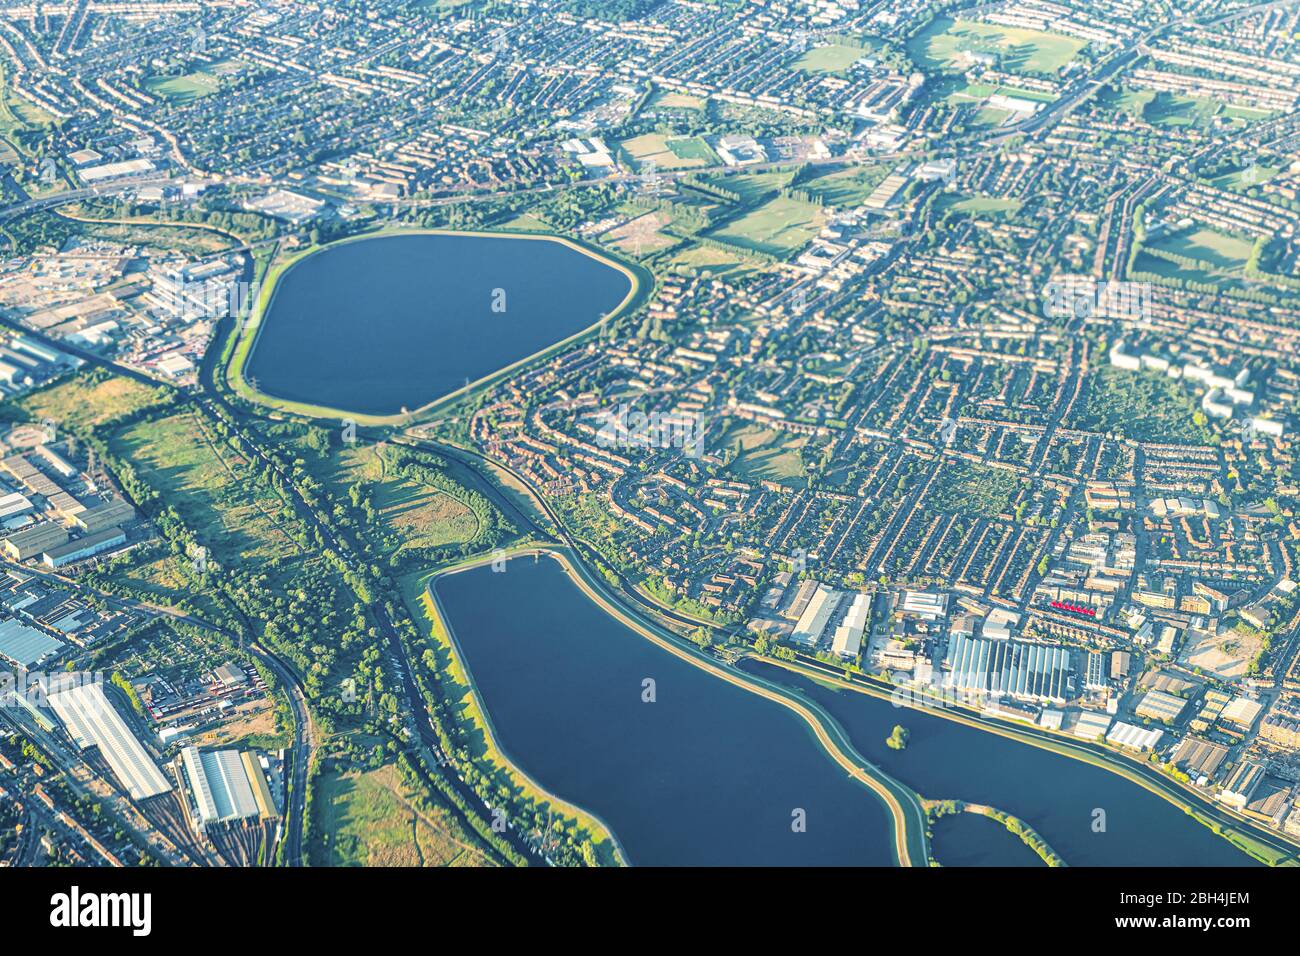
pixel 24 645
pixel 1038 672
pixel 91 721
pixel 226 785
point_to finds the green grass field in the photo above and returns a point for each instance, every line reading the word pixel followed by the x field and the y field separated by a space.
pixel 667 153
pixel 421 517
pixel 1173 110
pixel 693 148
pixel 764 453
pixel 942 45
pixel 369 819
pixel 835 58
pixel 779 227
pixel 1145 263
pixel 166 581
pixel 711 261
pixel 86 400
pixel 988 206
pixel 210 485
pixel 846 187
pixel 1217 249
pixel 977 92
pixel 752 187
pixel 18 117
pixel 1240 180
pixel 673 100
pixel 191 86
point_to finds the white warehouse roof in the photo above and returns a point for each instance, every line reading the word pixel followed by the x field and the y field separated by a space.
pixel 220 785
pixel 1133 736
pixel 91 721
pixel 848 636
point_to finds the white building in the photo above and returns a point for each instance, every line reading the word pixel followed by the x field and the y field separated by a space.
pixel 848 636
pixel 812 622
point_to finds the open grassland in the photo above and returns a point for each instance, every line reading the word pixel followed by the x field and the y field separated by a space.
pixel 188 87
pixel 846 187
pixel 641 234
pixel 1240 180
pixel 1154 265
pixel 990 117
pixel 180 238
pixel 18 117
pixel 165 581
pixel 755 187
pixel 419 516
pixel 1174 110
pixel 693 148
pixel 986 206
pixel 943 45
pixel 424 518
pixel 779 227
pixel 673 100
pixel 712 261
pixel 210 485
pixel 369 819
pixel 978 92
pixel 834 58
pixel 758 453
pixel 1216 249
pixel 89 399
pixel 526 222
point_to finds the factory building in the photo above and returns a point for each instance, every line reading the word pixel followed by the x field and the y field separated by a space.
pixel 1025 671
pixel 83 548
pixel 25 646
pixel 112 514
pixel 848 636
pixel 1161 705
pixel 812 622
pixel 226 786
pixel 38 539
pixel 91 721
pixel 925 605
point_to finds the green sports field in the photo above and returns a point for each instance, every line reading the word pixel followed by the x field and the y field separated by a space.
pixel 942 45
pixel 191 86
pixel 779 227
pixel 1216 249
pixel 835 58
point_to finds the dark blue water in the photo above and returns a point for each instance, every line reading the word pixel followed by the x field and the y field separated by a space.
pixel 709 774
pixel 972 839
pixel 393 322
pixel 1053 794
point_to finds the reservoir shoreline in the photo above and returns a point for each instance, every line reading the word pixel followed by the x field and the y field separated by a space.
pixel 908 844
pixel 249 333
